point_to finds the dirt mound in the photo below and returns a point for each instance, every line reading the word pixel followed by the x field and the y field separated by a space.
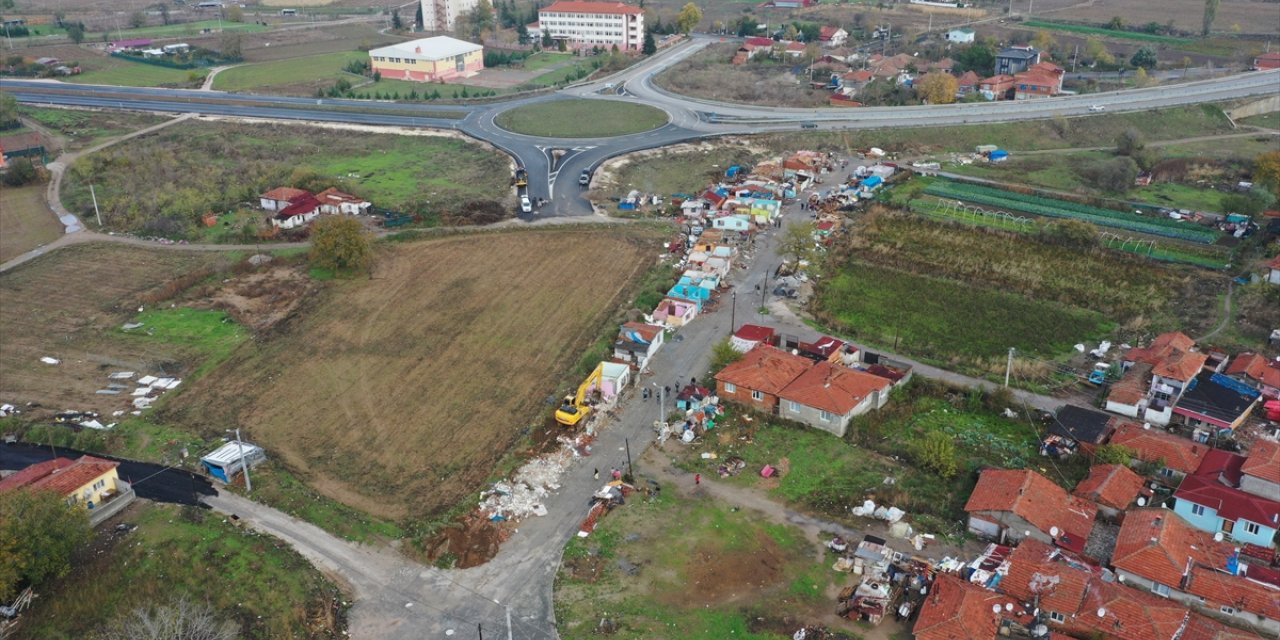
pixel 470 543
pixel 716 576
pixel 260 300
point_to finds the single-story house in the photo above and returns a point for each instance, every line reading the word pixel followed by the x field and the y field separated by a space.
pixel 1179 456
pixel 832 37
pixel 301 210
pixel 688 289
pixel 1174 364
pixel 1034 563
pixel 1128 395
pixel 1215 402
pixel 824 349
pixel 1260 474
pixel 1008 505
pixel 750 336
pixel 1210 500
pixel 1267 61
pixel 737 223
pixel 333 201
pixel 1113 487
pixel 997 87
pixel 675 312
pixel 827 396
pixel 88 482
pixel 230 459
pixel 757 379
pixel 794 49
pixel 637 343
pixel 956 608
pixel 280 197
pixel 1257 371
pixel 614 377
pixel 967 83
pixel 1081 427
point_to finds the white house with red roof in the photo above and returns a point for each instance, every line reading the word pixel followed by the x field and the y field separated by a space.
pixel 832 37
pixel 279 198
pixel 1014 504
pixel 827 396
pixel 1260 473
pixel 1210 500
pixel 591 24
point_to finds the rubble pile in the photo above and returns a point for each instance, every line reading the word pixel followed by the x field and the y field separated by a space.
pixel 524 495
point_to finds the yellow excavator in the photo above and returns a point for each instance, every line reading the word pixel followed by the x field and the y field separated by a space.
pixel 574 408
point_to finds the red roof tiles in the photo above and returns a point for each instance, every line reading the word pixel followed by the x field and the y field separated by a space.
pixel 34 473
pixel 1223 589
pixel 1206 487
pixel 1128 614
pixel 1035 569
pixel 764 368
pixel 1151 445
pixel 1202 628
pixel 283 194
pixel 1263 461
pixel 1157 544
pixel 1255 366
pixel 60 474
pixel 1170 356
pixel 833 388
pixel 958 610
pixel 1035 499
pixel 1111 485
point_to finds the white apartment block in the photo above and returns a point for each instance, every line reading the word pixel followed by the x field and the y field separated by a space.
pixel 444 15
pixel 588 24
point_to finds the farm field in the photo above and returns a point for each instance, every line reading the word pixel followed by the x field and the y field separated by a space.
pixel 294 75
pixel 82 129
pixel 442 374
pixel 26 221
pixel 581 118
pixel 1104 32
pixel 256 582
pixel 936 289
pixel 226 165
pixel 67 305
pixel 137 74
pixel 1186 15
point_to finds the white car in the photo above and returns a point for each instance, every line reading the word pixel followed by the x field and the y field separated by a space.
pixel 525 205
pixel 1097 108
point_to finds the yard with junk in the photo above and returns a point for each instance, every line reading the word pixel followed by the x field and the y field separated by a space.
pixel 160 555
pixel 221 168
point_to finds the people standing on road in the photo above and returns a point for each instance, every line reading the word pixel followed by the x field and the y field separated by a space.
pixel 697 478
pixel 617 475
pixel 595 473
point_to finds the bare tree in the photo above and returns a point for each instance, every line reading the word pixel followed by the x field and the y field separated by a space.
pixel 178 620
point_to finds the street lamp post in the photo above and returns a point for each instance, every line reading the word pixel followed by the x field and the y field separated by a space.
pixel 244 464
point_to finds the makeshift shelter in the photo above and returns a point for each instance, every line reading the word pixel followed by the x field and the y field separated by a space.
pixel 226 461
pixel 614 377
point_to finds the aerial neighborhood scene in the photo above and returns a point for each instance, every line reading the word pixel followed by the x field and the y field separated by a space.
pixel 640 319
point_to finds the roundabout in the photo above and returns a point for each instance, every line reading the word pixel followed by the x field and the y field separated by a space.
pixel 581 118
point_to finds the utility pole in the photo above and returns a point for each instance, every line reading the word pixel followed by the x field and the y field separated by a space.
pixel 733 313
pixel 95 206
pixel 508 623
pixel 244 464
pixel 1030 3
pixel 627 442
pixel 480 630
pixel 1008 368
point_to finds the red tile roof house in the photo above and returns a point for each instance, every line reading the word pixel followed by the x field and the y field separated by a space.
pixel 1174 364
pixel 333 202
pixel 757 379
pixel 1211 501
pixel 958 610
pixel 832 36
pixel 1240 598
pixel 1008 505
pixel 1158 551
pixel 1043 577
pixel 1113 487
pixel 997 87
pixel 1117 612
pixel 1179 456
pixel 1035 84
pixel 828 396
pixel 1257 371
pixel 300 211
pixel 968 83
pixel 1260 473
pixel 1267 61
pixel 279 198
pixel 1273 268
pixel 637 343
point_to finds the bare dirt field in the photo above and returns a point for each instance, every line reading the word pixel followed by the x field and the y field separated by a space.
pixel 25 221
pixel 396 394
pixel 709 74
pixel 69 305
pixel 1258 17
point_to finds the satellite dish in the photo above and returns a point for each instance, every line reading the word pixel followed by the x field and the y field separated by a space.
pixel 1008 606
pixel 1102 613
pixel 1146 425
pixel 1217 537
pixel 1120 578
pixel 1053 531
pixel 1026 534
pixel 1142 501
pixel 995 608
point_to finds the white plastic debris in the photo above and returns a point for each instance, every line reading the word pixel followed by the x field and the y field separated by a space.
pixel 7 410
pixel 93 424
pixel 146 380
pixel 141 391
pixel 48 360
pixel 121 375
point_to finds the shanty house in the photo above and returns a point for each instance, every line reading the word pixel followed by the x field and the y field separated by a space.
pixel 226 461
pixel 1013 504
pixel 756 380
pixel 1215 402
pixel 1260 473
pixel 827 396
pixel 1210 500
pixel 280 197
pixel 956 609
pixel 333 202
pixel 674 312
pixel 1179 456
pixel 89 482
pixel 637 343
pixel 1113 487
pixel 300 211
pixel 736 223
pixel 1257 371
pixel 614 377
pixel 1079 427
pixel 750 336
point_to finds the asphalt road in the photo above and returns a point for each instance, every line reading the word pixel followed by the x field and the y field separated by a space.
pixel 151 481
pixel 554 164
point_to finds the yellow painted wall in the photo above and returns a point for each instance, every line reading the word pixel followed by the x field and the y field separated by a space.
pixel 108 481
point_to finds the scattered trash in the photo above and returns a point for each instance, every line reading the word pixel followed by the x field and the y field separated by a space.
pixel 7 410
pixel 121 375
pixel 130 326
pixel 48 360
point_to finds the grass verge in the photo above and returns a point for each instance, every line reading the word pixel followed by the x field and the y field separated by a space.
pixel 290 72
pixel 26 222
pixel 580 118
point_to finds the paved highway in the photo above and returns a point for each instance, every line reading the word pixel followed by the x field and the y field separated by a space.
pixel 555 164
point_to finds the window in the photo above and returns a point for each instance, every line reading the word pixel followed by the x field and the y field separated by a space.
pixel 1054 616
pixel 824 416
pixel 729 387
pixel 757 395
pixel 1197 509
pixel 1159 589
pixel 1166 472
pixel 1227 610
pixel 793 406
pixel 1251 528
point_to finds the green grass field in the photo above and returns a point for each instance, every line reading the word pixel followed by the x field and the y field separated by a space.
pixel 1102 31
pixel 25 221
pixel 402 87
pixel 581 118
pixel 257 582
pixel 83 129
pixel 408 167
pixel 544 59
pixel 291 71
pixel 137 74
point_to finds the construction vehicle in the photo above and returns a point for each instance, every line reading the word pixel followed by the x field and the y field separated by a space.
pixel 522 177
pixel 575 408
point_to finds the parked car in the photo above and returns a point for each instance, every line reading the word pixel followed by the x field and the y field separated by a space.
pixel 525 205
pixel 1097 108
pixel 808 125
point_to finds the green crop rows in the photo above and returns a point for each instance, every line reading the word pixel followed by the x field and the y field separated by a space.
pixel 1053 208
pixel 1103 31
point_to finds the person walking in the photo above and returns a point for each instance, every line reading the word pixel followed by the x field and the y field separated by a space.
pixel 595 473
pixel 697 478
